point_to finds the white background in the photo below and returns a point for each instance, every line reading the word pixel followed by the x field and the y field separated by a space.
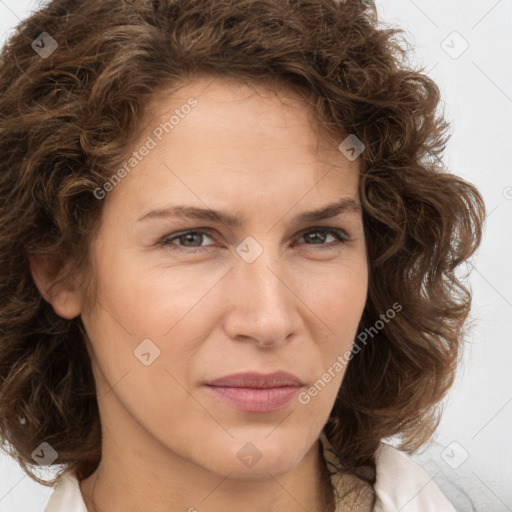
pixel 476 88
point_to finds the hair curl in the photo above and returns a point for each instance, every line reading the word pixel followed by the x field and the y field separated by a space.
pixel 68 120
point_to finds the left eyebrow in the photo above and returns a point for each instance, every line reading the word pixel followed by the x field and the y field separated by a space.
pixel 339 207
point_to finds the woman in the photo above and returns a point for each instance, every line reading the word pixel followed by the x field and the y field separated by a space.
pixel 316 311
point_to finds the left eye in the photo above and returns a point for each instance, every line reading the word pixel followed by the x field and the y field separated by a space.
pixel 339 235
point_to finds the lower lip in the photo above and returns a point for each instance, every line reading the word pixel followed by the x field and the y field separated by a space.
pixel 255 399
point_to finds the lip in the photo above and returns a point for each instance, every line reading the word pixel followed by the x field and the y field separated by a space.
pixel 256 392
pixel 257 380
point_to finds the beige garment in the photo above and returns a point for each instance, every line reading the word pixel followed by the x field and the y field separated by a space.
pixel 401 485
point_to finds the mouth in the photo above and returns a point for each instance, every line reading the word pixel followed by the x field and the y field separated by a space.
pixel 255 392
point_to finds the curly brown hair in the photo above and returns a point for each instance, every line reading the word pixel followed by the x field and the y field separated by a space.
pixel 69 119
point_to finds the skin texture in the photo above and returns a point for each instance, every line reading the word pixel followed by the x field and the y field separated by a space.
pixel 167 443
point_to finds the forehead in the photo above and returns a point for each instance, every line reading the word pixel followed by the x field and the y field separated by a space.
pixel 224 102
pixel 239 143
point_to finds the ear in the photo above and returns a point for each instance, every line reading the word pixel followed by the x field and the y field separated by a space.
pixel 66 300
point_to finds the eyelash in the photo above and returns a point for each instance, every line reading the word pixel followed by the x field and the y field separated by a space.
pixel 340 235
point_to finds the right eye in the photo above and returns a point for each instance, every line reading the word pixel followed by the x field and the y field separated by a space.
pixel 184 237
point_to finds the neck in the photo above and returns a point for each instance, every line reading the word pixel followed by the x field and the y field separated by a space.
pixel 183 486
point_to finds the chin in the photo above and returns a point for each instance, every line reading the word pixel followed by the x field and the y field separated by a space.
pixel 254 457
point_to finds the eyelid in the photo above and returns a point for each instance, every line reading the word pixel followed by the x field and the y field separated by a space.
pixel 340 234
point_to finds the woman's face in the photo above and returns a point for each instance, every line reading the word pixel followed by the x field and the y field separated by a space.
pixel 275 293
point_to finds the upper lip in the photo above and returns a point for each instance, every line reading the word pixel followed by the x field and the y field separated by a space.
pixel 257 380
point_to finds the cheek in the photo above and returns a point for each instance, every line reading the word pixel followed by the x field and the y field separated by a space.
pixel 149 301
pixel 338 300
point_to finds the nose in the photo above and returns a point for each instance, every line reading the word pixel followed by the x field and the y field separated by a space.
pixel 262 307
